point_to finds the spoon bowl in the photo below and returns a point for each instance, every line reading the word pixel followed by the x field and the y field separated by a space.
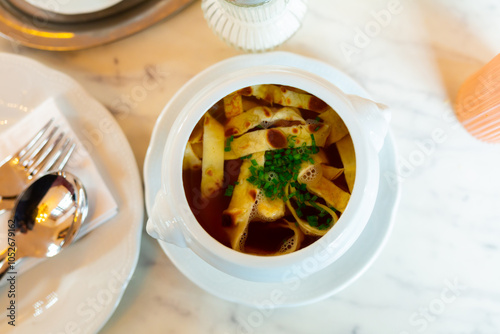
pixel 46 218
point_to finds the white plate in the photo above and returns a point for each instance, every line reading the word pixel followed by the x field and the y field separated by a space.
pixel 81 287
pixel 295 290
pixel 73 7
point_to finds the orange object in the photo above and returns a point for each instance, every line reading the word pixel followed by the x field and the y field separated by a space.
pixel 478 103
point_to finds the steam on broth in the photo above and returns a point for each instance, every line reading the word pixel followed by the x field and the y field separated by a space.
pixel 269 169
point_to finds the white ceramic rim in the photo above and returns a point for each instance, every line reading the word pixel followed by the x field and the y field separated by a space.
pixel 338 239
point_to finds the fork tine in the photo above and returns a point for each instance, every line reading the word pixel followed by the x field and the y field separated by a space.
pixel 37 151
pixel 66 157
pixel 49 163
pixel 63 158
pixel 46 155
pixel 22 152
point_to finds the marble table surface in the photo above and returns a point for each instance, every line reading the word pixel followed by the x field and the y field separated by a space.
pixel 438 273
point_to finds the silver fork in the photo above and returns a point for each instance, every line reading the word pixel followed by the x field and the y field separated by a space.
pixel 49 149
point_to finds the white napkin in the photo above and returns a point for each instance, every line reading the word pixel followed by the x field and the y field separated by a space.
pixel 102 205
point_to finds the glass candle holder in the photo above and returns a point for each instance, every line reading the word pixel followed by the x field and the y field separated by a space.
pixel 254 25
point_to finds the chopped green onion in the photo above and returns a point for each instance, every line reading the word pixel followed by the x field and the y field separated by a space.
pixel 312 220
pixel 227 148
pixel 229 190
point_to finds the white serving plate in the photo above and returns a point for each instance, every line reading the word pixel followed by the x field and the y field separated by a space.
pixel 296 291
pixel 80 288
pixel 73 7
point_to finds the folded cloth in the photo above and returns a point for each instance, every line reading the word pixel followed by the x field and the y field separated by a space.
pixel 102 205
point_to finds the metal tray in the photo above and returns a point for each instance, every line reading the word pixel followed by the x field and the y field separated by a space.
pixel 41 29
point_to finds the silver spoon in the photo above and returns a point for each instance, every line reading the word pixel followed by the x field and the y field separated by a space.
pixel 45 219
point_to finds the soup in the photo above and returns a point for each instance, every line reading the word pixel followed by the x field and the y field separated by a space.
pixel 269 169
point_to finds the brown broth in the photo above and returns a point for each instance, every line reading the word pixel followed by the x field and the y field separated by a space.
pixel 208 212
pixel 266 238
pixel 332 153
pixel 263 238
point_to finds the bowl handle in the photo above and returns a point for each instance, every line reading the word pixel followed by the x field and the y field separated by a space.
pixel 375 117
pixel 162 223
